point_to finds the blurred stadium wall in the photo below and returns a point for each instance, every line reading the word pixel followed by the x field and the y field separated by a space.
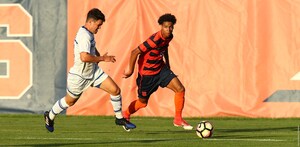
pixel 33 38
pixel 234 57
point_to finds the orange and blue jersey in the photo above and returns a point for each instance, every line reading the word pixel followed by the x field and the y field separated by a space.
pixel 151 59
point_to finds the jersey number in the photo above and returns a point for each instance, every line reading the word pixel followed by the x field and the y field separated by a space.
pixel 15 57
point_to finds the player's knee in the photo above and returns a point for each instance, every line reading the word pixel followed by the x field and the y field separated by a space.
pixel 71 102
pixel 180 89
pixel 143 102
pixel 116 91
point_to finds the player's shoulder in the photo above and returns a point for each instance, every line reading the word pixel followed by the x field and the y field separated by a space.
pixel 84 33
pixel 156 36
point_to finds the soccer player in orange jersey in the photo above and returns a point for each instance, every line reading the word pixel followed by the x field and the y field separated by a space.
pixel 154 71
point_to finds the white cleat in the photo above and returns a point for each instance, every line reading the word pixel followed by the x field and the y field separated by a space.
pixel 182 123
pixel 189 127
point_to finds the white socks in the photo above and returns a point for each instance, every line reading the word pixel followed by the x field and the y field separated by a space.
pixel 116 102
pixel 61 105
pixel 58 107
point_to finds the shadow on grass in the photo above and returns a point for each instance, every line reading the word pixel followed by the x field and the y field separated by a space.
pixel 253 133
pixel 110 143
pixel 257 129
pixel 169 131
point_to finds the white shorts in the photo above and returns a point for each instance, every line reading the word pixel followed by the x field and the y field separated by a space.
pixel 76 84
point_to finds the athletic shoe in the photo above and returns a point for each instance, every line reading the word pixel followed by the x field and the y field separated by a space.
pixel 182 123
pixel 125 123
pixel 126 116
pixel 49 124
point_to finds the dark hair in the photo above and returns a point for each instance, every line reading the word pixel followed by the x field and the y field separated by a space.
pixel 167 17
pixel 95 14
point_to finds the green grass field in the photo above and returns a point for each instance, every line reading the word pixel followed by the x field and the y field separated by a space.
pixel 29 130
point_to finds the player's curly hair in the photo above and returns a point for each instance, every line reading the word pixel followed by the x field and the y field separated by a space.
pixel 167 17
pixel 95 14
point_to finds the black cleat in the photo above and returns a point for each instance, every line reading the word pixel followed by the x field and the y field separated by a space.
pixel 127 125
pixel 49 124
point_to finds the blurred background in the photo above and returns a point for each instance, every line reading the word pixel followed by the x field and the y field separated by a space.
pixel 234 57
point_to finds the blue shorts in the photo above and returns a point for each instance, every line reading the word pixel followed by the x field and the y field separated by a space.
pixel 147 84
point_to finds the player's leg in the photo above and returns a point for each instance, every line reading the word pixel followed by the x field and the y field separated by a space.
pixel 176 86
pixel 74 89
pixel 169 79
pixel 60 105
pixel 135 106
pixel 146 86
pixel 113 89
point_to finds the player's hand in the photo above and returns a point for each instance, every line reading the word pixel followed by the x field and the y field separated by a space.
pixel 127 74
pixel 107 58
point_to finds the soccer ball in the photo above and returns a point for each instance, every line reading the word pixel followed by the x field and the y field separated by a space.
pixel 204 129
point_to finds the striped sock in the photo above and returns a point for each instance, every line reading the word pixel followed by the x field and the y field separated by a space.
pixel 116 102
pixel 58 107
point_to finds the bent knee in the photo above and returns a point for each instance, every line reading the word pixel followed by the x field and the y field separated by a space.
pixel 115 91
pixel 143 102
pixel 71 102
pixel 180 89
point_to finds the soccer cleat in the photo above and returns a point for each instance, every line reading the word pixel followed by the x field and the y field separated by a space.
pixel 125 123
pixel 49 124
pixel 182 123
pixel 126 129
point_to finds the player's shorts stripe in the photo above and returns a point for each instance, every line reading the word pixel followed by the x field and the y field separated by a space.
pixel 76 41
pixel 73 93
pixel 99 76
pixel 98 86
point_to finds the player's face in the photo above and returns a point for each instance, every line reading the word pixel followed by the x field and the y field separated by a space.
pixel 95 26
pixel 167 29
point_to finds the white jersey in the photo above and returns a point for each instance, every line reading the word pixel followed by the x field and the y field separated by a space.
pixel 84 42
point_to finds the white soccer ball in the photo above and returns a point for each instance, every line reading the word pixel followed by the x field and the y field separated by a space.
pixel 204 129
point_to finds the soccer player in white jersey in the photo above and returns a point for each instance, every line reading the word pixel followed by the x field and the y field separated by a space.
pixel 86 72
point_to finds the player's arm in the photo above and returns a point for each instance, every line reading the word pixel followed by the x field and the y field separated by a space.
pixel 86 57
pixel 133 56
pixel 166 55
